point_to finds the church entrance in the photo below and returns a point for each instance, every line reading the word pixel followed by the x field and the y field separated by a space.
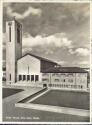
pixel 32 78
pixel 44 85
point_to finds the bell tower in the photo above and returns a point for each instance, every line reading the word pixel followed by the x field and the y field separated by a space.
pixel 13 49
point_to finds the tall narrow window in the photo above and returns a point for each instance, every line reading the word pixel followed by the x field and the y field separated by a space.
pixel 81 86
pixel 9 24
pixel 10 77
pixel 36 78
pixel 28 77
pixel 32 77
pixel 24 77
pixel 9 33
pixel 28 69
pixel 64 80
pixel 20 77
pixel 18 35
pixel 56 80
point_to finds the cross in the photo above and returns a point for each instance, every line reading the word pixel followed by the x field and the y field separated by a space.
pixel 28 69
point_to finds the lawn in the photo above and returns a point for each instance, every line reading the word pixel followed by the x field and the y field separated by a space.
pixel 79 100
pixel 8 92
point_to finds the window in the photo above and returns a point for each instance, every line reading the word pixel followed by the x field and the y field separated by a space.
pixel 10 77
pixel 71 86
pixel 4 73
pixel 36 78
pixel 32 77
pixel 24 77
pixel 53 74
pixel 50 85
pixel 74 86
pixel 64 80
pixel 56 74
pixel 28 77
pixel 56 80
pixel 70 74
pixel 66 86
pixel 78 86
pixel 20 77
pixel 44 79
pixel 45 74
pixel 81 86
pixel 59 85
pixel 63 74
pixel 70 80
pixel 9 33
pixel 4 68
pixel 18 35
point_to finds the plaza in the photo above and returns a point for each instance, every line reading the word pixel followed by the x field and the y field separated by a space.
pixel 13 113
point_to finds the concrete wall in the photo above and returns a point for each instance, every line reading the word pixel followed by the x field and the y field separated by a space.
pixel 65 80
pixel 81 79
pixel 13 52
pixel 28 65
pixel 10 53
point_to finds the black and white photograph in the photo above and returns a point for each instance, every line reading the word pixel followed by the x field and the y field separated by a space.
pixel 46 62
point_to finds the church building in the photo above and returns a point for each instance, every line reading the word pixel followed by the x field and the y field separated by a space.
pixel 36 71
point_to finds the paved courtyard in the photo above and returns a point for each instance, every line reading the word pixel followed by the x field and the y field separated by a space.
pixel 12 113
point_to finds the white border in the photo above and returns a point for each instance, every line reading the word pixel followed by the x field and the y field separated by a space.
pixel 1 62
pixel 44 1
pixel 90 62
pixel 49 1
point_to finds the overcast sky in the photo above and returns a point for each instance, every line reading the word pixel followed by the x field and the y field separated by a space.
pixel 57 31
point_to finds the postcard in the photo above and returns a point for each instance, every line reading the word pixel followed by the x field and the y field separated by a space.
pixel 46 61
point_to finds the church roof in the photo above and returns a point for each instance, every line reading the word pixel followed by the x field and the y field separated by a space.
pixel 57 68
pixel 65 70
pixel 40 58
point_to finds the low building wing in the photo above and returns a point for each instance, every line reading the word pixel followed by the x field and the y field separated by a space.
pixel 57 69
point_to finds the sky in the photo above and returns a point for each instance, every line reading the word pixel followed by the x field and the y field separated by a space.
pixel 57 31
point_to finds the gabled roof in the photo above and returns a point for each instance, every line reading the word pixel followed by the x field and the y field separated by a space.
pixel 40 58
pixel 65 70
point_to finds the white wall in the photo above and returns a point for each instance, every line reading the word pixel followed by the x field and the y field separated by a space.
pixel 13 51
pixel 31 62
pixel 81 79
pixel 10 53
pixel 78 80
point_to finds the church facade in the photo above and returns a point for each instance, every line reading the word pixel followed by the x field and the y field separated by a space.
pixel 37 71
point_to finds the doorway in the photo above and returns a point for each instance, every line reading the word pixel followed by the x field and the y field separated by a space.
pixel 44 85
